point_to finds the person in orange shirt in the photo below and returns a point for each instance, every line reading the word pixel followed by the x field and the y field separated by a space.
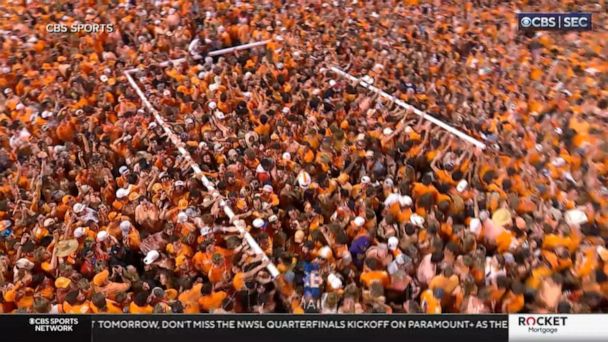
pixel 139 304
pixel 74 303
pixel 190 298
pixel 218 269
pixel 430 300
pixel 371 274
pixel 99 304
pixel 211 300
pixel 240 278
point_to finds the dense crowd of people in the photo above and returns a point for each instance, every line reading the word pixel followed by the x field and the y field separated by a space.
pixel 362 206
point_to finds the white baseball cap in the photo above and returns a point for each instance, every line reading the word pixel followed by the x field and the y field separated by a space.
pixel 46 114
pixel 417 219
pixel 575 217
pixel 462 185
pixel 182 217
pixel 393 242
pixel 334 281
pixel 102 236
pixel 79 232
pixel 325 252
pixel 125 226
pixel 558 162
pixel 122 192
pixel 205 231
pixel 258 223
pixel 405 201
pixel 475 225
pixel 359 221
pixel 24 263
pixel 151 257
pixel 78 208
pixel 391 198
pixel 304 179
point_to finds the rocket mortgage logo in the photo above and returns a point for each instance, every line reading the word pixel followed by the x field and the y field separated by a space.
pixel 542 324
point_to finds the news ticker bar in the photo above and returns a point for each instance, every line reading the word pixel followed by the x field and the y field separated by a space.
pixel 316 328
pixel 571 21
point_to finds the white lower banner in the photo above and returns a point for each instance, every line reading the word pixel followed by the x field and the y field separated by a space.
pixel 579 327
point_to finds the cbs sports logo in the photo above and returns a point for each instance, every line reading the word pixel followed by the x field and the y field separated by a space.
pixel 554 21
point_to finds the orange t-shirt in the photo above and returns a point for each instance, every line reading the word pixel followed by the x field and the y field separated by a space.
pixel 239 281
pixel 111 307
pixel 515 302
pixel 75 309
pixel 190 299
pixel 368 278
pixel 136 309
pixel 429 303
pixel 212 301
pixel 216 273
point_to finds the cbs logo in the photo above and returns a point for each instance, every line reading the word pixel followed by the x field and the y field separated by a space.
pixel 538 22
pixel 525 22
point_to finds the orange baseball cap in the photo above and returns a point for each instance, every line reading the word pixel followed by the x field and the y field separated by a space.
pixel 62 282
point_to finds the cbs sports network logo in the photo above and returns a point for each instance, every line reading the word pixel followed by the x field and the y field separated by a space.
pixel 571 21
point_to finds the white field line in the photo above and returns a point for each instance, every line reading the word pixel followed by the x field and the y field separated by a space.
pixel 197 169
pixel 417 111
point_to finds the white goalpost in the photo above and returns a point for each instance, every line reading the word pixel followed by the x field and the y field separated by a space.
pixel 175 140
pixel 417 111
